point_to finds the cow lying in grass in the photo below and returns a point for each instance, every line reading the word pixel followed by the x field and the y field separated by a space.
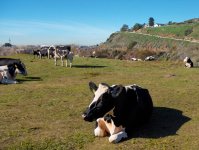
pixel 132 106
pixel 9 68
pixel 188 62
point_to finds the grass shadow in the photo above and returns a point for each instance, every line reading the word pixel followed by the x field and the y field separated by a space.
pixel 164 122
pixel 29 79
pixel 87 66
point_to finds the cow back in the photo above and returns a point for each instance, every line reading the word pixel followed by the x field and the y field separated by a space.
pixel 133 107
pixel 8 61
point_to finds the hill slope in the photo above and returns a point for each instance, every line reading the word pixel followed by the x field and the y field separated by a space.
pixel 168 42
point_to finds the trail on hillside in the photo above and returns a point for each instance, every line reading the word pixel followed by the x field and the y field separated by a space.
pixel 192 41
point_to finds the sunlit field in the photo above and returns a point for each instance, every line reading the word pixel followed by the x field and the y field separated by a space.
pixel 44 110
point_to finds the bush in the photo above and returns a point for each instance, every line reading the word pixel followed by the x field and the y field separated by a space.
pixel 142 54
pixel 131 45
pixel 188 31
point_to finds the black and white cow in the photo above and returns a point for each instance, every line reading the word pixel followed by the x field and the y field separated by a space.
pixel 42 52
pixel 9 68
pixel 149 58
pixel 51 50
pixel 132 106
pixel 188 62
pixel 63 52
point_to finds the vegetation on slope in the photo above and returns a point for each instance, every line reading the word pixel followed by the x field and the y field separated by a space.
pixel 182 31
pixel 133 44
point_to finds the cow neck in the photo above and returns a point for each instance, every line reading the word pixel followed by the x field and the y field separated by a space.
pixel 118 108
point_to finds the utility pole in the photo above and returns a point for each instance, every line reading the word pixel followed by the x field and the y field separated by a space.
pixel 9 40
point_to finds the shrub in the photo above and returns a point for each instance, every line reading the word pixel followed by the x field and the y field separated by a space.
pixel 188 31
pixel 142 54
pixel 131 45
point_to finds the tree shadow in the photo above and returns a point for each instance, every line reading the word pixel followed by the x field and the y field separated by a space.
pixel 164 122
pixel 87 66
pixel 29 79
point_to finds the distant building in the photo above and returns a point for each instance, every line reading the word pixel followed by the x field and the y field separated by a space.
pixel 155 25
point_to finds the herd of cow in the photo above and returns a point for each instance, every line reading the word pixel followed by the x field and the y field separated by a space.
pixel 9 67
pixel 56 52
pixel 131 105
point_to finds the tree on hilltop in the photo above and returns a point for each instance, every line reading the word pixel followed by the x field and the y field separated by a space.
pixel 137 26
pixel 151 22
pixel 125 27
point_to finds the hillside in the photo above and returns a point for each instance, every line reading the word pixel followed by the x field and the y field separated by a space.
pixel 168 42
pixel 183 30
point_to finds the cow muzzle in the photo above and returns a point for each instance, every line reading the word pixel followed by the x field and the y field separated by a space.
pixel 86 116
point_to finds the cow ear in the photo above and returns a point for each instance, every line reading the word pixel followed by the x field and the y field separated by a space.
pixel 93 86
pixel 116 90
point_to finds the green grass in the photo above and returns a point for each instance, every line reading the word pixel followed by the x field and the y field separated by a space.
pixel 44 110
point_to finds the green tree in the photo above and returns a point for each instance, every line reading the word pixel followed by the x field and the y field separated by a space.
pixel 137 26
pixel 170 23
pixel 125 27
pixel 151 22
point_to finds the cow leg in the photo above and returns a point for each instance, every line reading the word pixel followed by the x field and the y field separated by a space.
pixel 115 138
pixel 62 62
pixel 101 128
pixel 8 81
pixel 48 54
pixel 55 61
pixel 116 133
pixel 188 65
pixel 70 63
pixel 66 62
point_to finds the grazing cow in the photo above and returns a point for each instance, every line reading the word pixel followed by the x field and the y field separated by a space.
pixel 188 62
pixel 36 52
pixel 132 106
pixel 9 68
pixel 63 52
pixel 51 50
pixel 41 52
pixel 149 58
pixel 135 59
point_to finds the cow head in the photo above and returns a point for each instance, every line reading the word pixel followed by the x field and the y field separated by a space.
pixel 21 68
pixel 102 102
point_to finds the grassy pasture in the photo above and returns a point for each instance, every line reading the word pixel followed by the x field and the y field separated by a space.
pixel 44 110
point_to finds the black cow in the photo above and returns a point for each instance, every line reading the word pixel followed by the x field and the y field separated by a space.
pixel 132 106
pixel 40 53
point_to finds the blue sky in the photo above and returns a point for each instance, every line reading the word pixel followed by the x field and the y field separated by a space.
pixel 83 22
